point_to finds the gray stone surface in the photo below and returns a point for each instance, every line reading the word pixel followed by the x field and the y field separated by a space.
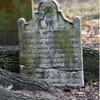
pixel 50 46
pixel 10 11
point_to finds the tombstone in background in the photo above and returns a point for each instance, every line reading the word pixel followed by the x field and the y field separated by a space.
pixel 50 46
pixel 10 11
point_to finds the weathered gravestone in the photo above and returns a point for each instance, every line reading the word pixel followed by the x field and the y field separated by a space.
pixel 50 46
pixel 10 11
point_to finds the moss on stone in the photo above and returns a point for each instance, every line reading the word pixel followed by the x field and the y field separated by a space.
pixel 63 38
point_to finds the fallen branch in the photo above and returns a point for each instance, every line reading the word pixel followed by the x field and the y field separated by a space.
pixel 22 82
pixel 8 95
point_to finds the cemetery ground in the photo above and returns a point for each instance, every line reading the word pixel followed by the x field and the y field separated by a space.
pixel 89 13
pixel 15 86
pixel 21 87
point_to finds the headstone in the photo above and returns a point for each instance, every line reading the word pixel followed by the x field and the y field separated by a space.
pixel 50 46
pixel 10 11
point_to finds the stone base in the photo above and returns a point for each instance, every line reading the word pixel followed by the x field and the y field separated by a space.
pixel 57 77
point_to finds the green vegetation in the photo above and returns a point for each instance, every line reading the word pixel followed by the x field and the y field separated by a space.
pixel 90 82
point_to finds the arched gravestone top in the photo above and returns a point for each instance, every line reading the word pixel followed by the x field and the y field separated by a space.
pixel 50 46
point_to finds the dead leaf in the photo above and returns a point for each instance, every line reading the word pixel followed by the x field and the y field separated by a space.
pixel 86 25
pixel 97 38
pixel 68 16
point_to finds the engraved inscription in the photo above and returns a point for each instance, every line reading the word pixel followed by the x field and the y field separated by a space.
pixel 50 46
